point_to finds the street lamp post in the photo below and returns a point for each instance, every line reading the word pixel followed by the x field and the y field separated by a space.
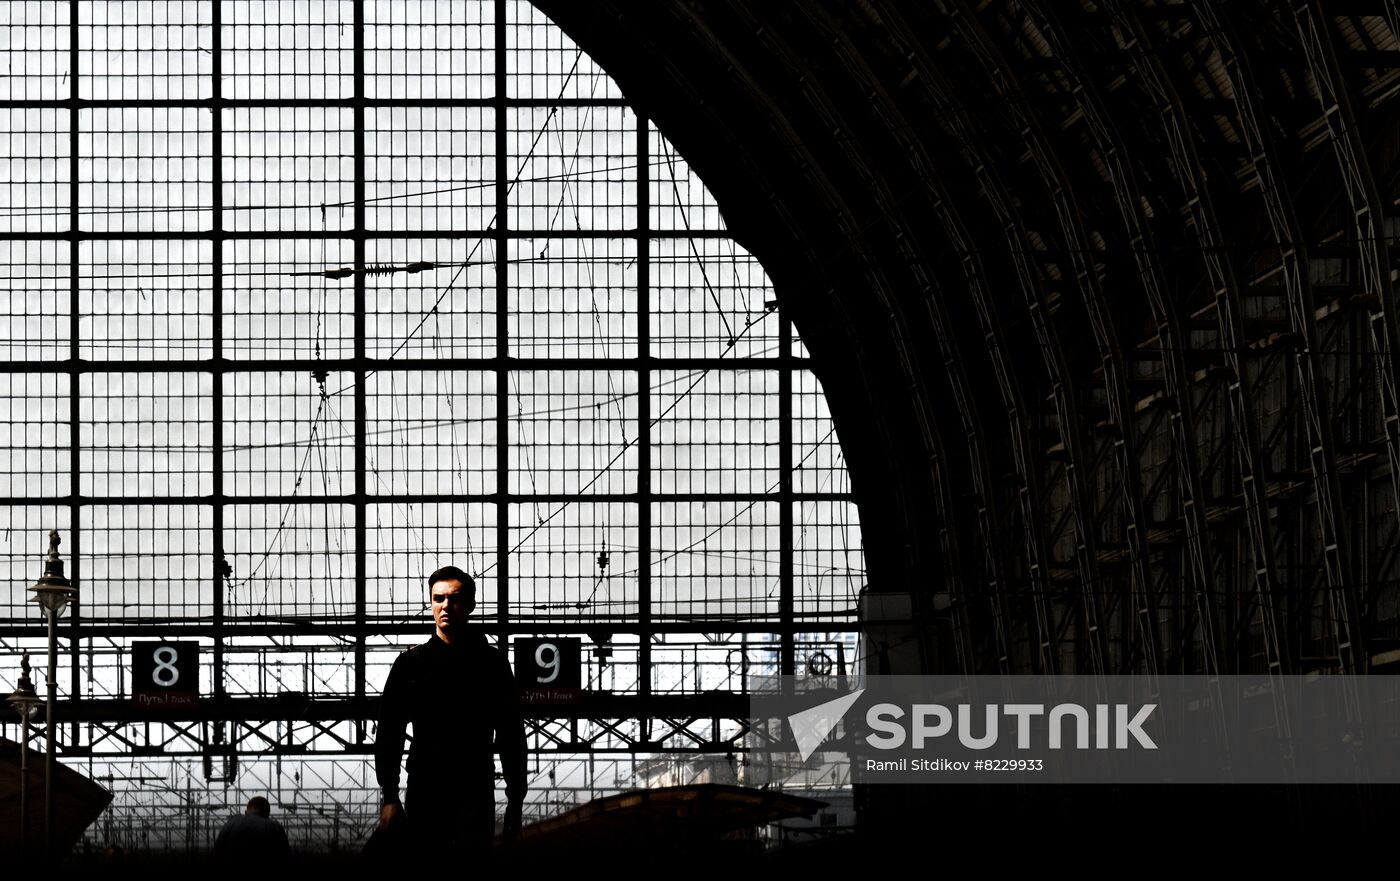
pixel 52 592
pixel 25 702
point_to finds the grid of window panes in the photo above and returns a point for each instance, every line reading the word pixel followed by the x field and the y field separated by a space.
pixel 420 287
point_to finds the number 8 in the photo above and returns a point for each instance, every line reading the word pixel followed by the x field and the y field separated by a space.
pixel 165 658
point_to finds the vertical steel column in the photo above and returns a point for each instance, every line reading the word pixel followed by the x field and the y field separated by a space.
pixel 1312 392
pixel 502 333
pixel 644 373
pixel 1197 203
pixel 216 361
pixel 1068 213
pixel 75 237
pixel 786 524
pixel 1108 140
pixel 361 406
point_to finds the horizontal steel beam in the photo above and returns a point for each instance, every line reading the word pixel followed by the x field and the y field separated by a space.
pixel 297 707
pixel 523 625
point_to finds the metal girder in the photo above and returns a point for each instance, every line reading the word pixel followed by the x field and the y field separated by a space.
pixel 955 575
pixel 1109 142
pixel 1312 394
pixel 1198 206
pixel 1062 394
pixel 1068 214
pixel 300 726
pixel 984 490
pixel 411 629
pixel 217 486
pixel 955 366
pixel 361 371
pixel 1389 547
pixel 956 231
pixel 693 20
pixel 895 310
pixel 75 442
pixel 1368 216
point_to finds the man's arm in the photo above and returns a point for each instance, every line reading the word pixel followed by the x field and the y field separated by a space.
pixel 510 743
pixel 388 744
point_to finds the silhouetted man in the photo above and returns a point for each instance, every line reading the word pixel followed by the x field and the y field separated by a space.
pixel 458 693
pixel 253 839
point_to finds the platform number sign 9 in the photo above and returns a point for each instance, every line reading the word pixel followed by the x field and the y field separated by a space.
pixel 547 669
pixel 164 674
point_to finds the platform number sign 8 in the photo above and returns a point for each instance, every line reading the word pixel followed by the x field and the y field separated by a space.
pixel 164 674
pixel 547 669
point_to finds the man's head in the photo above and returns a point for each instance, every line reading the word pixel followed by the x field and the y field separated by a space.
pixel 452 594
pixel 259 805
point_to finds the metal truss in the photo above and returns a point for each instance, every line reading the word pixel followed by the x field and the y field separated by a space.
pixel 955 365
pixel 1176 398
pixel 1121 425
pixel 1368 217
pixel 1077 468
pixel 1027 489
pixel 301 725
pixel 1254 482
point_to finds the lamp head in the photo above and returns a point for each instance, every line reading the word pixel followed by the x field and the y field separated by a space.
pixel 53 591
pixel 25 701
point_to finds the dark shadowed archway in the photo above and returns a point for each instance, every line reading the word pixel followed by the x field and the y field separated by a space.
pixel 1101 295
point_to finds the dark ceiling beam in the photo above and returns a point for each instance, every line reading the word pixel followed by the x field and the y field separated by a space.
pixel 1125 442
pixel 1108 140
pixel 1063 394
pixel 882 167
pixel 968 251
pixel 880 177
pixel 1279 200
pixel 1198 205
pixel 1369 225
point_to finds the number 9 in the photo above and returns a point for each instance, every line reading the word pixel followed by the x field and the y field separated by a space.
pixel 552 665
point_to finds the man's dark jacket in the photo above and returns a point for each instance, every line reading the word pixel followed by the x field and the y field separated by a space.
pixel 463 705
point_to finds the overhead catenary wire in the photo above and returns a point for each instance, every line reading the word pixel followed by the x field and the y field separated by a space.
pixel 524 162
pixel 325 398
pixel 621 452
pixel 317 206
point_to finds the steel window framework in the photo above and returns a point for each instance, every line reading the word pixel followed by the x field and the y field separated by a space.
pixel 215 376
